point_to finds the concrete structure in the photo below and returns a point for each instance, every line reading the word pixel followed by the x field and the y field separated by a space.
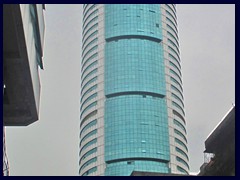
pixel 23 40
pixel 23 34
pixel 132 110
pixel 220 148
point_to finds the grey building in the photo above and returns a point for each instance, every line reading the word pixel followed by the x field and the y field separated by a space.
pixel 23 35
pixel 220 148
pixel 23 40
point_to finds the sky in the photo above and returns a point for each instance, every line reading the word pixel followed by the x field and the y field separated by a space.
pixel 49 147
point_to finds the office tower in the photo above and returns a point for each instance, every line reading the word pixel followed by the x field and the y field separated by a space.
pixel 23 39
pixel 132 111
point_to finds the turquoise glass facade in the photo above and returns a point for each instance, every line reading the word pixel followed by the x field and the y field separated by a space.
pixel 134 65
pixel 132 114
pixel 125 19
pixel 136 122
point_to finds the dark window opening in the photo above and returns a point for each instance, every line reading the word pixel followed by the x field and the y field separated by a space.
pixel 152 11
pixel 130 162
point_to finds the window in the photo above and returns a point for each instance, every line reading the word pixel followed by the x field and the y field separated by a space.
pixel 90 115
pixel 173 65
pixel 88 163
pixel 171 49
pixel 88 91
pixel 175 81
pixel 89 16
pixel 89 23
pixel 89 82
pixel 88 135
pixel 168 13
pixel 180 134
pixel 89 74
pixel 89 144
pixel 89 51
pixel 172 36
pixel 176 97
pixel 89 59
pixel 94 41
pixel 181 143
pixel 94 27
pixel 182 161
pixel 181 152
pixel 88 37
pixel 178 115
pixel 88 153
pixel 91 124
pixel 182 170
pixel 89 67
pixel 88 99
pixel 179 125
pixel 130 162
pixel 85 10
pixel 152 11
pixel 172 43
pixel 173 72
pixel 176 89
pixel 88 107
pixel 90 171
pixel 178 106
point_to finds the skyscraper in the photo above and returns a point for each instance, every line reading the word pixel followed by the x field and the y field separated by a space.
pixel 132 111
pixel 23 42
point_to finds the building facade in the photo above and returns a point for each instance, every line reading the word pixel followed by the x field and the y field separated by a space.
pixel 132 112
pixel 219 154
pixel 23 40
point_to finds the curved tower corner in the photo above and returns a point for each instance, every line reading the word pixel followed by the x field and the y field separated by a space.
pixel 174 91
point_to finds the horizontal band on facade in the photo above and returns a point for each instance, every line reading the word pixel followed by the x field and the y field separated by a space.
pixel 137 159
pixel 143 93
pixel 150 38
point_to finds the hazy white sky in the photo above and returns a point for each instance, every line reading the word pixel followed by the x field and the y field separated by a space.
pixel 207 44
